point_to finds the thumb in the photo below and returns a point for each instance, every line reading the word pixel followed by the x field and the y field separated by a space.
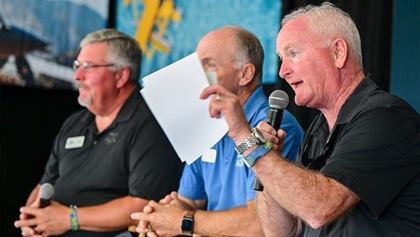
pixel 37 201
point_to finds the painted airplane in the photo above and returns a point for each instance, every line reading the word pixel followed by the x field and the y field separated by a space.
pixel 153 23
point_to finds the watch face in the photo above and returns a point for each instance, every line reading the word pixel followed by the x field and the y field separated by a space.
pixel 259 136
pixel 187 225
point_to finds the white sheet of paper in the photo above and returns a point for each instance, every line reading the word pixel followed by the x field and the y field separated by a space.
pixel 173 95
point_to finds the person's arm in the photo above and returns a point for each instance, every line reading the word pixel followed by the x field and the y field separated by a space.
pixel 274 217
pixel 238 221
pixel 310 196
pixel 55 218
pixel 166 220
pixel 316 199
pixel 113 215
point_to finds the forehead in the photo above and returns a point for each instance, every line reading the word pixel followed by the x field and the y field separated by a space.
pixel 294 32
pixel 97 51
pixel 216 44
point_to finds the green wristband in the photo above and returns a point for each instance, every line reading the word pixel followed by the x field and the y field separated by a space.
pixel 74 223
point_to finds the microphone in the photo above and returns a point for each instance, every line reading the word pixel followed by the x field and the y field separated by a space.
pixel 278 101
pixel 46 192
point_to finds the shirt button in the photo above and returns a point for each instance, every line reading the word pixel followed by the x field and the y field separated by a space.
pixel 95 142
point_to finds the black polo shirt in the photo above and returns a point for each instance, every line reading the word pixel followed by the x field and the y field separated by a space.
pixel 130 157
pixel 374 151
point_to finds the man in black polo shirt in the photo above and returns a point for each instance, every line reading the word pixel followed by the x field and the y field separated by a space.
pixel 109 159
pixel 358 171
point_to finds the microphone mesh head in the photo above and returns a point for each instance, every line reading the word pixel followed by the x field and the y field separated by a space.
pixel 278 99
pixel 46 191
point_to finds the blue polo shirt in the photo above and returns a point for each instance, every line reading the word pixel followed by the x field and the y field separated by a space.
pixel 220 176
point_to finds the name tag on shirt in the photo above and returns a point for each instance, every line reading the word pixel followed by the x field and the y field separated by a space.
pixel 209 156
pixel 74 142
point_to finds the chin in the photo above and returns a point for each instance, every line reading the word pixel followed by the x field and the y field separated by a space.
pixel 85 102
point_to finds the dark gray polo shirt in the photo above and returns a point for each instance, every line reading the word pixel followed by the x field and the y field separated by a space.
pixel 374 150
pixel 131 157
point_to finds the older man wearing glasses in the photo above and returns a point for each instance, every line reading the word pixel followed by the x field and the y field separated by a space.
pixel 108 159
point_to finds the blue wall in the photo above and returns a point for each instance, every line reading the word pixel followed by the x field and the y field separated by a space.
pixel 405 65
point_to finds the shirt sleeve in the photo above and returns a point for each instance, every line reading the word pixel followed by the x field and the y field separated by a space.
pixel 376 157
pixel 192 183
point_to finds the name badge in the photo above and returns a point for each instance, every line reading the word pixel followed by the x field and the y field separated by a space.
pixel 74 142
pixel 209 156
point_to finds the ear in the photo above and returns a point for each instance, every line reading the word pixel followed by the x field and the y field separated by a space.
pixel 246 74
pixel 122 76
pixel 340 51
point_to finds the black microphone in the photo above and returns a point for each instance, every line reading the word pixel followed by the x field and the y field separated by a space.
pixel 46 192
pixel 278 101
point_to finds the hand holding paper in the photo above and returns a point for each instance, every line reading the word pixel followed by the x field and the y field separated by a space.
pixel 172 94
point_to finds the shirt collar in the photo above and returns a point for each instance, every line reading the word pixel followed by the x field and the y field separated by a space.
pixel 125 113
pixel 356 100
pixel 255 103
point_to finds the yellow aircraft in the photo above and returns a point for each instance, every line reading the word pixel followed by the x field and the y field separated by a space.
pixel 153 23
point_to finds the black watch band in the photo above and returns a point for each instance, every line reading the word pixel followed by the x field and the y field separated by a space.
pixel 187 225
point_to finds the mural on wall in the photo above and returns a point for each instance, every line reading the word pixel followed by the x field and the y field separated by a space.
pixel 40 39
pixel 168 30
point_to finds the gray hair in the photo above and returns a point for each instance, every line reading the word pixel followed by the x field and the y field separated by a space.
pixel 332 22
pixel 249 49
pixel 124 51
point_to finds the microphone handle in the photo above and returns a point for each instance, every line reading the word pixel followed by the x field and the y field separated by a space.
pixel 274 118
pixel 44 202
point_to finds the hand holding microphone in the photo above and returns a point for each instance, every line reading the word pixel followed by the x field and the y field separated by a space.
pixel 278 101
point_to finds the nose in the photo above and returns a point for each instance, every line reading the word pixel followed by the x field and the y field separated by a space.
pixel 285 70
pixel 78 74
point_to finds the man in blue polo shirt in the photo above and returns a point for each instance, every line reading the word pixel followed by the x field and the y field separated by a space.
pixel 219 180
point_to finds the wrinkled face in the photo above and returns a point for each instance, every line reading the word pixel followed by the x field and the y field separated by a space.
pixel 216 52
pixel 97 84
pixel 307 67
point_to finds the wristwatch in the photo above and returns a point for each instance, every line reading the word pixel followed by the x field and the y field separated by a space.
pixel 254 139
pixel 187 225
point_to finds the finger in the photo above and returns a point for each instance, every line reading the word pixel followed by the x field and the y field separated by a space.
pixel 135 215
pixel 266 127
pixel 274 141
pixel 208 91
pixel 167 199
pixel 143 225
pixel 27 231
pixel 29 211
pixel 152 203
pixel 281 134
pixel 215 110
pixel 152 234
pixel 141 229
pixel 148 209
pixel 22 223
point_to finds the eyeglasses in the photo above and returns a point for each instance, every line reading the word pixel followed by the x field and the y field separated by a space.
pixel 87 66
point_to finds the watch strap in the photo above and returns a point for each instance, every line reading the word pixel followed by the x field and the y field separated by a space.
pixel 187 225
pixel 249 142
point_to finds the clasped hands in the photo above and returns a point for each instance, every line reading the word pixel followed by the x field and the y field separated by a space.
pixel 164 218
pixel 40 222
pixel 161 219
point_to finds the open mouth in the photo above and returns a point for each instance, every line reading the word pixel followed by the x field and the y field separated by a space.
pixel 296 85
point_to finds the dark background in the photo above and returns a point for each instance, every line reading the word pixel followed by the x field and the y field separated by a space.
pixel 31 117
